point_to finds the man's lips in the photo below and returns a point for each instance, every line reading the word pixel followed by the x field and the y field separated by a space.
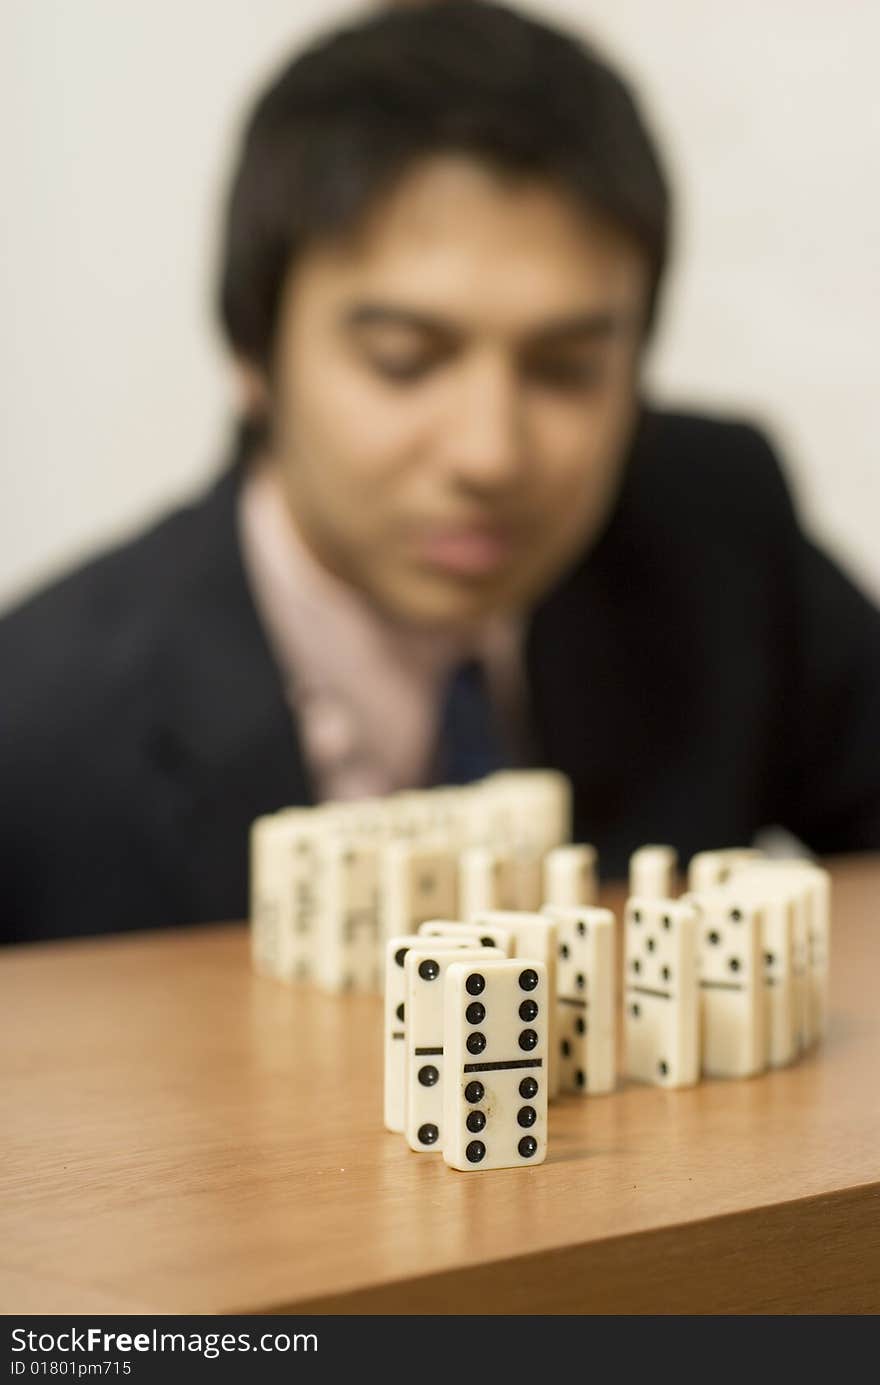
pixel 467 550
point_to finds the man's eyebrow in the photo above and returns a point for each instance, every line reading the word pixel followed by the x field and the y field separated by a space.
pixel 594 325
pixel 388 315
pixel 597 325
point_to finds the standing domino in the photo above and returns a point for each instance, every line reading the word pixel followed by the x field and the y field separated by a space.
pixel 425 967
pixel 395 1022
pixel 570 876
pixel 710 868
pixel 778 929
pixel 490 935
pixel 585 995
pixel 732 986
pixel 661 998
pixel 419 883
pixel 495 1037
pixel 652 872
pixel 534 936
pixel 347 955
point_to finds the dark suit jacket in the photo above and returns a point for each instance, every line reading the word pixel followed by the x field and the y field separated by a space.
pixel 702 672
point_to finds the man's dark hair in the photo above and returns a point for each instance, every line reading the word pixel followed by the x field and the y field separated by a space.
pixel 347 117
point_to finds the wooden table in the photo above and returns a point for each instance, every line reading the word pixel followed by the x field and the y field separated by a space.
pixel 182 1136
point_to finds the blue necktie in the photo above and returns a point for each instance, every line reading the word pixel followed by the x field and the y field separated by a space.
pixel 469 740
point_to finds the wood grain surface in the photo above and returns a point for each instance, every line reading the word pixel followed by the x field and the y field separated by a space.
pixel 181 1136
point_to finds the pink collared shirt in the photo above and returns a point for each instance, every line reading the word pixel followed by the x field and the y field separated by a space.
pixel 365 690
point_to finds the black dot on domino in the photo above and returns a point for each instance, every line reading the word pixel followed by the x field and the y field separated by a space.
pixel 666 921
pixel 581 928
pixel 563 950
pixel 474 1092
pixel 429 970
pixel 769 958
pixel 637 916
pixel 736 915
pixel 428 1075
pixel 475 1012
pixel 528 1088
pixel 475 1122
pixel 713 938
pixel 528 1010
pixel 733 963
pixel 528 1040
pixel 636 964
pixel 476 1151
pixel 634 1010
pixel 580 981
pixel 487 942
pixel 580 1078
pixel 666 973
pixel 475 984
pixel 428 1134
pixel 526 1116
pixel 399 1012
pixel 400 954
pixel 528 979
pixel 565 1046
pixel 580 1025
pixel 650 944
pixel 663 1067
pixel 476 1042
pixel 527 1146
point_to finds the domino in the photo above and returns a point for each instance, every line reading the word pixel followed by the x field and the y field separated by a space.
pixel 531 810
pixel 495 1038
pixel 778 930
pixel 570 877
pixel 481 881
pixel 534 937
pixel 809 887
pixel 419 882
pixel 710 868
pixel 661 999
pixel 732 983
pixel 346 951
pixel 425 966
pixel 395 1022
pixel 652 872
pixel 490 935
pixel 284 892
pixel 585 999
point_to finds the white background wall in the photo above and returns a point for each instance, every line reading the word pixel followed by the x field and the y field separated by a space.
pixel 116 122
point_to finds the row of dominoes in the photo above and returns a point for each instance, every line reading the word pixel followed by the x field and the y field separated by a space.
pixel 732 976
pixel 486 1021
pixel 330 884
pixel 723 981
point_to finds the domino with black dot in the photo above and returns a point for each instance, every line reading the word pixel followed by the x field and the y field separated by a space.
pixel 490 935
pixel 425 966
pixel 732 983
pixel 419 882
pixel 585 999
pixel 534 937
pixel 347 950
pixel 395 1020
pixel 710 868
pixel 495 1039
pixel 661 996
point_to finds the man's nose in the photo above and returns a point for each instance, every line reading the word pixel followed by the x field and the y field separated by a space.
pixel 486 448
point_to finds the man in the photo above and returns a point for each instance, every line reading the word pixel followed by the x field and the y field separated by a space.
pixel 443 254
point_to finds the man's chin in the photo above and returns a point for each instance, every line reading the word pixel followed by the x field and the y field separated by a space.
pixel 442 605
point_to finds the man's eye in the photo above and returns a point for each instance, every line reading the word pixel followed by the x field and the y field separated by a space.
pixel 401 369
pixel 566 374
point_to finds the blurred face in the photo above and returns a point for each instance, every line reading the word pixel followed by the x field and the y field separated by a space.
pixel 453 390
